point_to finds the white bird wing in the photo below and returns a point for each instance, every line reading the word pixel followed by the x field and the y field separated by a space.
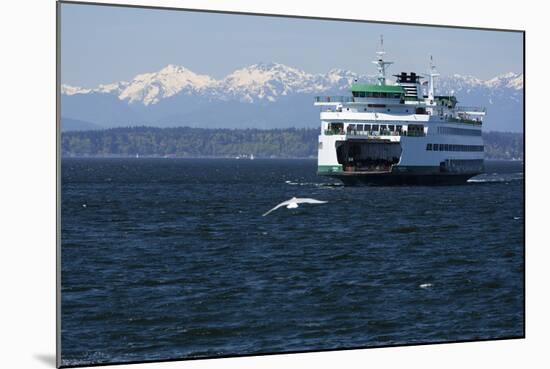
pixel 297 201
pixel 278 206
pixel 309 201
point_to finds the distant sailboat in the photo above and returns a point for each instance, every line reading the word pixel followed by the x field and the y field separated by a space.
pixel 251 156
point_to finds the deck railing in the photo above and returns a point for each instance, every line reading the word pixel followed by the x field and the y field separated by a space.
pixel 334 99
pixel 467 121
pixel 475 109
pixel 330 132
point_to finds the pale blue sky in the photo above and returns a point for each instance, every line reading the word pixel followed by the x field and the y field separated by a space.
pixel 106 44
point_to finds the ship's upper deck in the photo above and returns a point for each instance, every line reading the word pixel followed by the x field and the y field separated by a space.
pixel 405 97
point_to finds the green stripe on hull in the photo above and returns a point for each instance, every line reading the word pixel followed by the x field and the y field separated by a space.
pixel 325 169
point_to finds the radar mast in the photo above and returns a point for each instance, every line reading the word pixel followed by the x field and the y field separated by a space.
pixel 432 74
pixel 381 64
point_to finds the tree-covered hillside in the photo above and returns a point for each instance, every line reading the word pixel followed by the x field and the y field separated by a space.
pixel 191 142
pixel 198 142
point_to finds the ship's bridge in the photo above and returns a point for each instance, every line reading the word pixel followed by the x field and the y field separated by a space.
pixel 363 93
pixel 373 96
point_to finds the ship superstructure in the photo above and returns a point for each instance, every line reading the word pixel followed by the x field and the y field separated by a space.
pixel 399 133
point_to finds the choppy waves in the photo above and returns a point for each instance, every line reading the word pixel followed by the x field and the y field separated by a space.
pixel 172 259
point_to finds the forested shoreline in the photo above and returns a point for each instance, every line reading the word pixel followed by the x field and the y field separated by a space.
pixel 189 142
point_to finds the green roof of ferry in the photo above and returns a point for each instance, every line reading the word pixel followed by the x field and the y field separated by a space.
pixel 376 88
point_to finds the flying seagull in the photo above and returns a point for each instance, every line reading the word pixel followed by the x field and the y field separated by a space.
pixel 293 203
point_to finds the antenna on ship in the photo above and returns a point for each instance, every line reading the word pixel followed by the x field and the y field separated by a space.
pixel 432 74
pixel 381 63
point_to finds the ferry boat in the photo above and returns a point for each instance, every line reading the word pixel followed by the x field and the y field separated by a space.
pixel 397 133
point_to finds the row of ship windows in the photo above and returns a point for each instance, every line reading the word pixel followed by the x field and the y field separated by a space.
pixel 392 128
pixel 450 147
pixel 389 95
pixel 458 131
pixel 374 127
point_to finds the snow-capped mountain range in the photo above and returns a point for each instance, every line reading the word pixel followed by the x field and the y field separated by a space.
pixel 265 95
pixel 264 81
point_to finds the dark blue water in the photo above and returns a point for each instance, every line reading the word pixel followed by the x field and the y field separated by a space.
pixel 171 258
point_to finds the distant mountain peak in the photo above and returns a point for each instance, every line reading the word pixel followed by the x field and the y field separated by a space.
pixel 172 68
pixel 150 88
pixel 73 90
pixel 262 65
pixel 508 80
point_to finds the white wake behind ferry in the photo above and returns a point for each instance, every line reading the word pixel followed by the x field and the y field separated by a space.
pixel 395 134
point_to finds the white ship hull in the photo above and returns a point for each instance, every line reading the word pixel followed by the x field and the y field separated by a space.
pixel 403 159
